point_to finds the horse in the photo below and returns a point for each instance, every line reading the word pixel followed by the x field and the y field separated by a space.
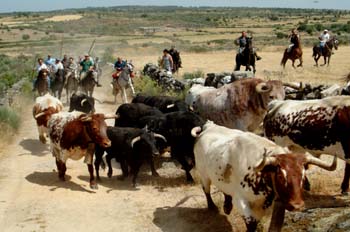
pixel 123 82
pixel 57 83
pixel 42 82
pixel 72 85
pixel 327 51
pixel 87 84
pixel 296 53
pixel 176 60
pixel 246 57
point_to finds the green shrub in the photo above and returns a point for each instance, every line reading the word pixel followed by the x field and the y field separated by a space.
pixel 9 117
pixel 281 35
pixel 25 37
pixel 146 85
pixel 195 74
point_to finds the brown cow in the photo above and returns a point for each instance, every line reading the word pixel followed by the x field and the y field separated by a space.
pixel 45 106
pixel 239 105
pixel 73 135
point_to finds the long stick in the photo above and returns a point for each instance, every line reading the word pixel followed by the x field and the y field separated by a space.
pixel 91 47
pixel 61 47
pixel 35 58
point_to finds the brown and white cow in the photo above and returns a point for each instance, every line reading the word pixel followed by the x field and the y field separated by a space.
pixel 253 172
pixel 73 135
pixel 239 105
pixel 317 126
pixel 45 106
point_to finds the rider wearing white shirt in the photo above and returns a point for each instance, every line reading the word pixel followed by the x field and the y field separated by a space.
pixel 41 65
pixel 324 37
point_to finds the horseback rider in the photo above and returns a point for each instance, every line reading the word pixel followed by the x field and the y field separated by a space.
pixel 242 42
pixel 118 66
pixel 57 67
pixel 87 65
pixel 294 37
pixel 40 66
pixel 324 37
pixel 70 70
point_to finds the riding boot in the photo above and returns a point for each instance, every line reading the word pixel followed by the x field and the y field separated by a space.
pixel 98 84
pixel 35 85
pixel 257 57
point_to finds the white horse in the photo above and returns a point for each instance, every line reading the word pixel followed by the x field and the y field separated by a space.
pixel 123 82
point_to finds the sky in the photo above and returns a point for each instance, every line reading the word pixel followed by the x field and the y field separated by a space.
pixel 45 5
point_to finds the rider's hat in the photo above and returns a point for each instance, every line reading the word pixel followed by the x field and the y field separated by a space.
pixel 86 54
pixel 325 30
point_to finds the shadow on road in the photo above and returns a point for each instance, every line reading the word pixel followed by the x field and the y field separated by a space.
pixel 51 179
pixel 190 219
pixel 35 147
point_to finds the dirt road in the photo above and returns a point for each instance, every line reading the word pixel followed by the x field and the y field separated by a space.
pixel 33 199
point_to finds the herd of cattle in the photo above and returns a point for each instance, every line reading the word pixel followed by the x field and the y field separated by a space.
pixel 212 131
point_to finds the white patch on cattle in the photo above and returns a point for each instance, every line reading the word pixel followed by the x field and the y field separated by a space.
pixel 302 177
pixel 58 121
pixel 335 149
pixel 217 147
pixel 285 176
pixel 290 106
pixel 46 101
pixel 195 92
pixel 56 127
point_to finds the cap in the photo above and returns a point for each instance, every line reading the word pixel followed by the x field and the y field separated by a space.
pixel 325 30
pixel 86 54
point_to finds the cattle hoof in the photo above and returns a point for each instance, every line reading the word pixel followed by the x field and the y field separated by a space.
pixel 345 193
pixel 93 186
pixel 227 208
pixel 213 208
pixel 155 174
pixel 42 139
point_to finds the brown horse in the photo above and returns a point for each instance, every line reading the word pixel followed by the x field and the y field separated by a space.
pixel 42 82
pixel 327 51
pixel 296 53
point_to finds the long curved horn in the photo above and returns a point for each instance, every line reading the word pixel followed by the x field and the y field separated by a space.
pixel 97 100
pixel 86 118
pixel 160 136
pixel 263 88
pixel 170 106
pixel 83 101
pixel 267 160
pixel 293 86
pixel 134 140
pixel 310 159
pixel 39 115
pixel 111 116
pixel 195 131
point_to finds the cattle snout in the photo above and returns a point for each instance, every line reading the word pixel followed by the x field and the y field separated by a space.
pixel 106 143
pixel 296 205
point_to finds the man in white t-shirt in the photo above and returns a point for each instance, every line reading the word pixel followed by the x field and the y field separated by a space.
pixel 41 65
pixel 324 37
